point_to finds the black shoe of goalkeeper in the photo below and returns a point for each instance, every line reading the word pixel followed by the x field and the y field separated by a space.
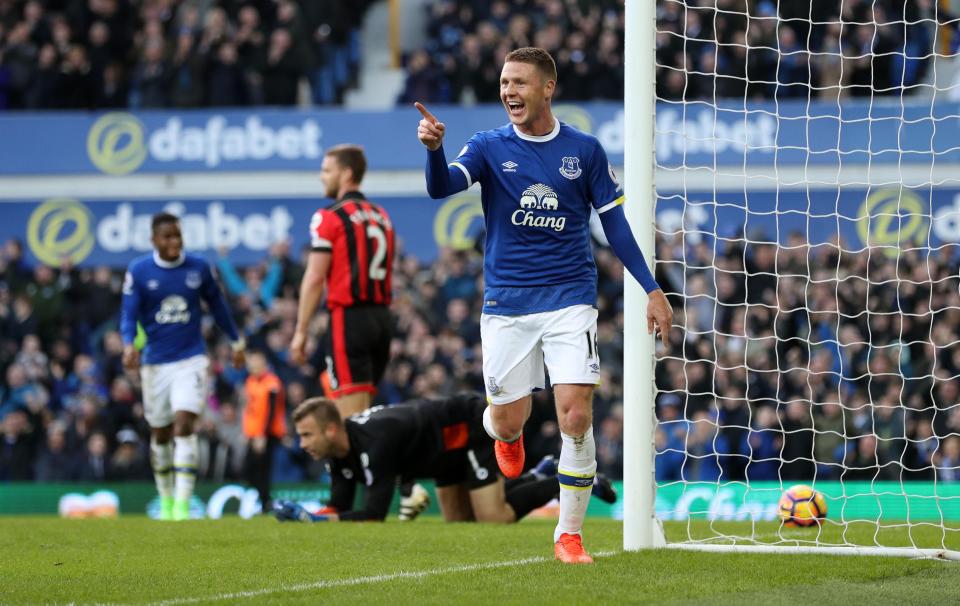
pixel 603 489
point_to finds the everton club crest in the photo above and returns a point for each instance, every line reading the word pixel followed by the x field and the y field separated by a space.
pixel 492 388
pixel 570 167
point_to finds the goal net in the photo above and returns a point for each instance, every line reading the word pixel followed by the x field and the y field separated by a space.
pixel 807 215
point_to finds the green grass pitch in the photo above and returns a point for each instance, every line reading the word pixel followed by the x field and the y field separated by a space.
pixel 134 560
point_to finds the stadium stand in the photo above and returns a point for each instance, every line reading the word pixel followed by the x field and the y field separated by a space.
pixel 863 361
pixel 64 384
pixel 705 52
pixel 65 391
pixel 74 54
pixel 204 53
pixel 704 49
pixel 467 41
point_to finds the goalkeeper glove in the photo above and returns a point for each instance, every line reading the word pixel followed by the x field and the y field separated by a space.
pixel 288 511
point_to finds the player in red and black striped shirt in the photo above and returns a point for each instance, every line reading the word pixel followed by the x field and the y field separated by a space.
pixel 352 261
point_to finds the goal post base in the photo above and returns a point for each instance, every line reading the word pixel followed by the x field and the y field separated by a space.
pixel 659 537
pixel 894 552
pixel 637 540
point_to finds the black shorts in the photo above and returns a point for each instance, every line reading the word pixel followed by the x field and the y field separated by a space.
pixel 358 348
pixel 468 456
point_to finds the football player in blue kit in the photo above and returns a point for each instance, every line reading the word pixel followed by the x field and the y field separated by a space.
pixel 539 180
pixel 162 292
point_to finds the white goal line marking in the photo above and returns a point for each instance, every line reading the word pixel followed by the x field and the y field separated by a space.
pixel 367 580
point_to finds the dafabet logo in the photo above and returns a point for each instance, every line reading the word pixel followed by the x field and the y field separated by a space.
pixel 894 219
pixel 60 229
pixel 452 225
pixel 116 144
pixel 64 229
pixel 119 143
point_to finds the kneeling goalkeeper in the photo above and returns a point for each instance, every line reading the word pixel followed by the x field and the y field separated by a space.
pixel 442 440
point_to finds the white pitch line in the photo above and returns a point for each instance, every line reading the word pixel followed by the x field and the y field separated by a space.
pixel 368 580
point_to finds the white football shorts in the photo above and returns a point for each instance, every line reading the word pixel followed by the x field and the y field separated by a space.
pixel 516 348
pixel 167 388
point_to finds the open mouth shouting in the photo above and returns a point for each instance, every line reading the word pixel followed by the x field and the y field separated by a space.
pixel 515 108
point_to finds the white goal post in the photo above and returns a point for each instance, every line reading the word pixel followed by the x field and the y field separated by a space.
pixel 866 193
pixel 640 527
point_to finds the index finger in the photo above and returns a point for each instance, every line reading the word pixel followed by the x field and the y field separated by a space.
pixel 425 112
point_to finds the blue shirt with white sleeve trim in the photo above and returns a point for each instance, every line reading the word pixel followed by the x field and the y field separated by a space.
pixel 164 297
pixel 537 193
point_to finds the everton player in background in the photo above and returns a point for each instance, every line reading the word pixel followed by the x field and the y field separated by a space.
pixel 162 292
pixel 443 440
pixel 539 180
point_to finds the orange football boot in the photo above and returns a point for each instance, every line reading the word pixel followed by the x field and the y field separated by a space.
pixel 510 457
pixel 569 550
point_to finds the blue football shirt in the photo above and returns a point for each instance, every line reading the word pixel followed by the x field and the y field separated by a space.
pixel 164 297
pixel 537 192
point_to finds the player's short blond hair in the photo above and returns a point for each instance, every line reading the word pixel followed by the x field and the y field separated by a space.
pixel 350 156
pixel 323 410
pixel 537 57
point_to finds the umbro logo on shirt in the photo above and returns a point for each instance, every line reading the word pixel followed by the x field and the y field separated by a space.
pixel 509 166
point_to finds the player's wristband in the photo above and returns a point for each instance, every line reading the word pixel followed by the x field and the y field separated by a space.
pixel 239 345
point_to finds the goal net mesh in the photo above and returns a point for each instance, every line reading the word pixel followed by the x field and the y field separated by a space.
pixel 808 209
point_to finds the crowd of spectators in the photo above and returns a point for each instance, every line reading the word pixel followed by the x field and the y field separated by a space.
pixel 706 49
pixel 798 362
pixel 818 49
pixel 96 54
pixel 90 54
pixel 468 39
pixel 71 412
